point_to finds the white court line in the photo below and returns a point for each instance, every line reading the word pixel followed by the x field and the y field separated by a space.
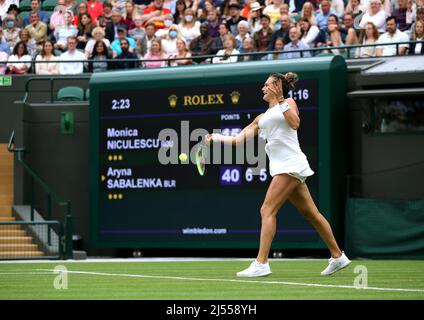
pixel 24 273
pixel 236 280
pixel 178 259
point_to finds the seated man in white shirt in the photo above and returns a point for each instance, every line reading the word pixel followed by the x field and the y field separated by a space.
pixel 72 54
pixel 392 35
pixel 295 44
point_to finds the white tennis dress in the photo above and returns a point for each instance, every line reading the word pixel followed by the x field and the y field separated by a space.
pixel 282 147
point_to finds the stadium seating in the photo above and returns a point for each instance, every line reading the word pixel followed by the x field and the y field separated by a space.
pixel 24 14
pixel 49 5
pixel 25 5
pixel 87 94
pixel 70 93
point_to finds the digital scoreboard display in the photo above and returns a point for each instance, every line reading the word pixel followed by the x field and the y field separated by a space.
pixel 145 197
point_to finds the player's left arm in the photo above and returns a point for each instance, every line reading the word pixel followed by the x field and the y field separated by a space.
pixel 291 114
pixel 287 106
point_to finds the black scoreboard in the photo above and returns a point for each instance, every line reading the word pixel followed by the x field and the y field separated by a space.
pixel 143 196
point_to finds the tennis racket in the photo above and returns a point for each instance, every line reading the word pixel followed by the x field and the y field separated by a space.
pixel 201 155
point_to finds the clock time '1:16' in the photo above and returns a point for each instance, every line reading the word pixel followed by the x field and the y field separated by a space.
pixel 301 94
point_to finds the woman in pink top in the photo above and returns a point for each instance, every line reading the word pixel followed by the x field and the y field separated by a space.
pixel 155 53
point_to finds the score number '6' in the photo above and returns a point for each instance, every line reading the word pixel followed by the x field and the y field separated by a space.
pixel 262 175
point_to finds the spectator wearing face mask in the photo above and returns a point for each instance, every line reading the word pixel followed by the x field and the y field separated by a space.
pixel 14 10
pixel 169 43
pixel 163 32
pixel 11 32
pixel 189 27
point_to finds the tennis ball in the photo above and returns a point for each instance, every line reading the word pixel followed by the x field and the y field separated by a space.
pixel 183 157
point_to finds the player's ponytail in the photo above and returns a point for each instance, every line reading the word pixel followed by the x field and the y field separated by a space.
pixel 289 81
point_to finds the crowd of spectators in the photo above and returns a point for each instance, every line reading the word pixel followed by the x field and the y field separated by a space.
pixel 73 36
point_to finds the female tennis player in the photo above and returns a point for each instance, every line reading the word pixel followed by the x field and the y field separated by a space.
pixel 289 169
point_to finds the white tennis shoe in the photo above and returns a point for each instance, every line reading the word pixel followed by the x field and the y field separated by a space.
pixel 256 269
pixel 336 264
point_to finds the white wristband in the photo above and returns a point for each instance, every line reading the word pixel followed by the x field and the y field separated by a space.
pixel 216 137
pixel 284 107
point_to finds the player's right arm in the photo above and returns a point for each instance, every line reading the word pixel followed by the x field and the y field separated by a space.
pixel 247 133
